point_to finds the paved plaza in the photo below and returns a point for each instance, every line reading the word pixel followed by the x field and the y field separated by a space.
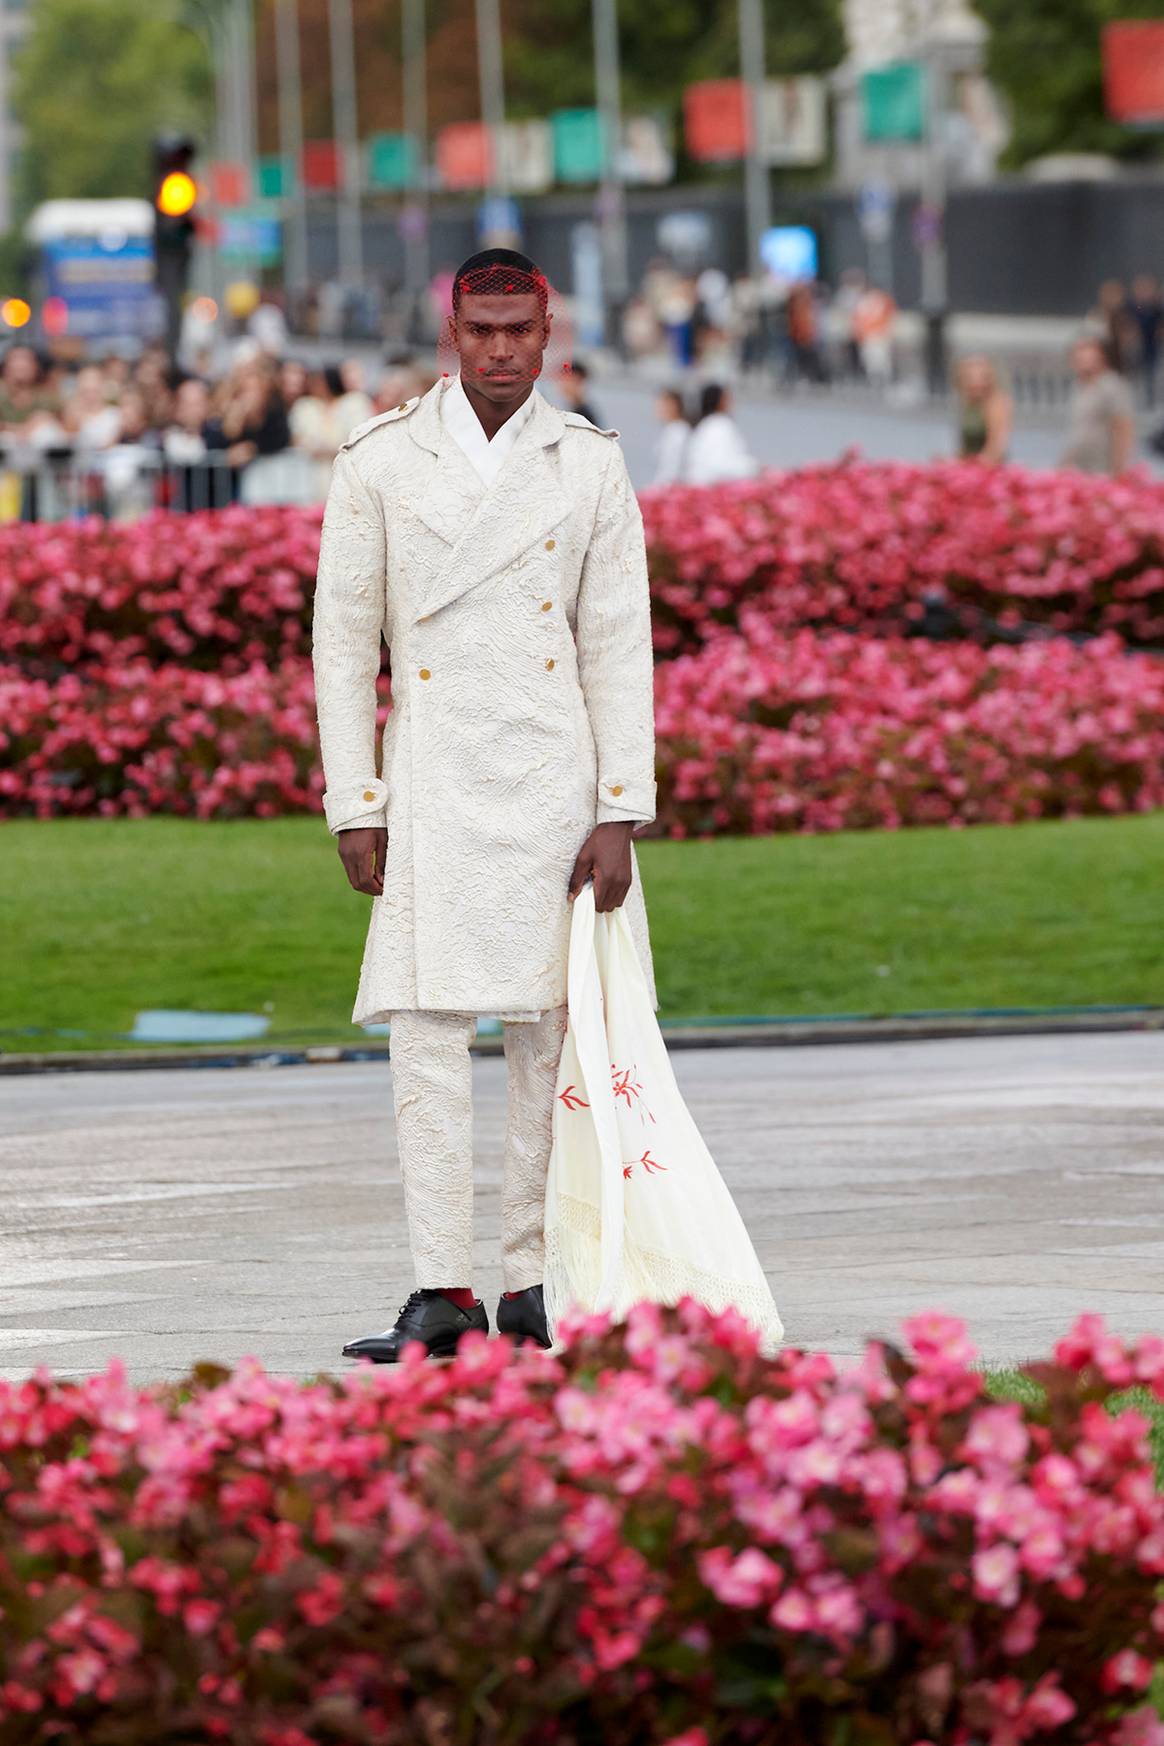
pixel 208 1213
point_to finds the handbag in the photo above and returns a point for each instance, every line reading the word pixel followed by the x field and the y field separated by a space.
pixel 635 1206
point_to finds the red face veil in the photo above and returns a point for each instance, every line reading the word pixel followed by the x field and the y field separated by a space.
pixel 509 327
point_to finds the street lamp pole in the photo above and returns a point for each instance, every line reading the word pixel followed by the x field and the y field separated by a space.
pixel 756 194
pixel 415 63
pixel 612 204
pixel 291 139
pixel 343 98
pixel 489 71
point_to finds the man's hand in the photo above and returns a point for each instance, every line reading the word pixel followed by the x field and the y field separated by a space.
pixel 363 853
pixel 606 854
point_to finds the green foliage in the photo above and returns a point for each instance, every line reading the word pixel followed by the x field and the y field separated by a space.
pixel 93 83
pixel 664 45
pixel 1045 56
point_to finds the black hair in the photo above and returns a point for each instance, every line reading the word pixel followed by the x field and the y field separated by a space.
pixel 579 369
pixel 333 376
pixel 497 272
pixel 711 399
pixel 680 399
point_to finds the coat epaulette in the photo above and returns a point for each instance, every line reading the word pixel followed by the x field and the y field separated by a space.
pixel 395 412
pixel 579 422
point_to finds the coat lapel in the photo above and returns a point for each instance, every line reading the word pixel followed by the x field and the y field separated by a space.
pixel 486 528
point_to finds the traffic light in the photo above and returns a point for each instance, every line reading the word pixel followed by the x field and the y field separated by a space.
pixel 175 223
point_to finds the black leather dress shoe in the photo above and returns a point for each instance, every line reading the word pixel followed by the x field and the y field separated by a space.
pixel 428 1316
pixel 524 1316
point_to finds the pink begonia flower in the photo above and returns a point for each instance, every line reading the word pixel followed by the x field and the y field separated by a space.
pixel 1126 1668
pixel 996 1574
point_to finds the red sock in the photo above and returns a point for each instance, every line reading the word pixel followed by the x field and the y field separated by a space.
pixel 462 1296
pixel 514 1293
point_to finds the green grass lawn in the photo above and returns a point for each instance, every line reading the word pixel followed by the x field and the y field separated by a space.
pixel 103 917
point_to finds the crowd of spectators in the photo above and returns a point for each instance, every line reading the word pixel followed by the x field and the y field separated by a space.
pixel 117 437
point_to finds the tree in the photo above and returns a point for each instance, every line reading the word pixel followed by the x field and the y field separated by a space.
pixel 1045 56
pixel 92 84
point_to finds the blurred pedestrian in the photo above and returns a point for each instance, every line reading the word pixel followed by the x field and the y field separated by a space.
pixel 1147 308
pixel 323 419
pixel 804 331
pixel 88 417
pixel 26 398
pixel 574 382
pixel 674 437
pixel 985 411
pixel 717 450
pixel 292 379
pixel 1117 326
pixel 195 479
pixel 1102 430
pixel 874 318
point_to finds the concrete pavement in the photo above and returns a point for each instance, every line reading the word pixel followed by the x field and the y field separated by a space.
pixel 175 1215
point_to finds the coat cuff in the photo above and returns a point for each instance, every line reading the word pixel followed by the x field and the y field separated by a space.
pixel 363 807
pixel 630 802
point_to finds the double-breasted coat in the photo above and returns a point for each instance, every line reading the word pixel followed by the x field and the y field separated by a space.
pixel 517 617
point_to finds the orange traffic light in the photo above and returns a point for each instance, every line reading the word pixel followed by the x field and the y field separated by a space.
pixel 177 194
pixel 14 312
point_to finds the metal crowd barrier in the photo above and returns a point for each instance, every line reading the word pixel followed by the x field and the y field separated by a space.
pixel 126 482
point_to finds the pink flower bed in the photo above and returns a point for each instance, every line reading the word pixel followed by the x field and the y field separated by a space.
pixel 760 732
pixel 856 545
pixel 656 1535
pixel 772 730
pixel 852 546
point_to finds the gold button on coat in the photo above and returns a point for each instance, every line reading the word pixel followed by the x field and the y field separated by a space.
pixel 550 662
pixel 368 795
pixel 550 544
pixel 617 789
pixel 546 605
pixel 403 407
pixel 425 674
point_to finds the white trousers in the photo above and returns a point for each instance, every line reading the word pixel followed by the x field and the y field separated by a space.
pixel 432 1079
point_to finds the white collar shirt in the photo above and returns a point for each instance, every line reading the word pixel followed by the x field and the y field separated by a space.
pixel 486 455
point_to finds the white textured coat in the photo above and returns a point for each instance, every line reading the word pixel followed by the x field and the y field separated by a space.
pixel 518 620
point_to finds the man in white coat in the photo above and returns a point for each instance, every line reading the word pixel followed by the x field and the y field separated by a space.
pixel 496 546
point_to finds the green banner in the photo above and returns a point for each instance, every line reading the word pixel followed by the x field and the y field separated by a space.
pixel 893 102
pixel 577 137
pixel 391 161
pixel 273 180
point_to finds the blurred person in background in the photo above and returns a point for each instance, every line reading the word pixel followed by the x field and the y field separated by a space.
pixel 641 334
pixel 1102 426
pixel 850 290
pixel 874 318
pixel 88 416
pixel 196 480
pixel 403 378
pixel 151 377
pixel 249 421
pixel 129 465
pixel 671 452
pixel 1147 308
pixel 676 310
pixel 268 324
pixel 293 381
pixel 1117 326
pixel 985 411
pixel 322 420
pixel 803 315
pixel 717 451
pixel 574 383
pixel 26 398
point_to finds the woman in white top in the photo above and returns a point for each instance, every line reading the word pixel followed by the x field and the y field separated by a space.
pixel 716 451
pixel 323 420
pixel 673 438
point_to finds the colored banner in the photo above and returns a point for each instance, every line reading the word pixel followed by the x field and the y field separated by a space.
pixel 716 121
pixel 229 184
pixel 893 102
pixel 578 153
pixel 321 165
pixel 792 121
pixel 1133 71
pixel 646 157
pixel 251 235
pixel 273 181
pixel 526 151
pixel 463 157
pixel 391 161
